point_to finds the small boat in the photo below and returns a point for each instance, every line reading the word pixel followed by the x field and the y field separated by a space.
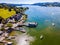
pixel 53 24
pixel 41 37
pixel 31 24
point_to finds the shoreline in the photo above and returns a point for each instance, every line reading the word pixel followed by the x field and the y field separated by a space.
pixel 24 39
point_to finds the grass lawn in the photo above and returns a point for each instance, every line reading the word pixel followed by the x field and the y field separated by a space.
pixel 5 13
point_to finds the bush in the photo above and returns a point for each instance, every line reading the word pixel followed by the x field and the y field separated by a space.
pixel 9 25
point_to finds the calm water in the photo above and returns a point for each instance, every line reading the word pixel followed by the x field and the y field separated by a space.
pixel 44 16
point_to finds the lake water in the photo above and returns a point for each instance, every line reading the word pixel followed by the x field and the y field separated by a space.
pixel 44 16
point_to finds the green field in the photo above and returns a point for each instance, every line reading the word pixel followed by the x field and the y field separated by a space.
pixel 5 13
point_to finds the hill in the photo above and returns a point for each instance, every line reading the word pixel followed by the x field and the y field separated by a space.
pixel 54 4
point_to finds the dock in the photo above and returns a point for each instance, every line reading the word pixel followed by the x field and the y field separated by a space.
pixel 30 24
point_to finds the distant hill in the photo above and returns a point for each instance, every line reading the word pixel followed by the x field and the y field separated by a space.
pixel 18 4
pixel 57 4
pixel 14 4
pixel 46 4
